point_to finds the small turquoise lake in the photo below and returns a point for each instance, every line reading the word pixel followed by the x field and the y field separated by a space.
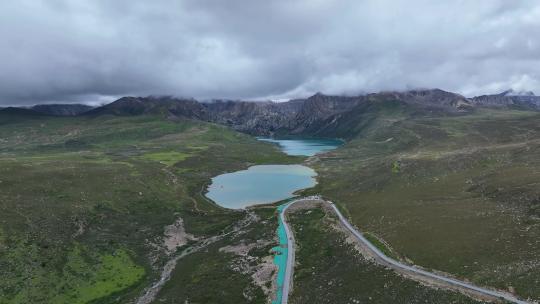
pixel 259 185
pixel 304 147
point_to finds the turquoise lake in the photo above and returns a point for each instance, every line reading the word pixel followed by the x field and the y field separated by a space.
pixel 259 185
pixel 305 147
pixel 269 183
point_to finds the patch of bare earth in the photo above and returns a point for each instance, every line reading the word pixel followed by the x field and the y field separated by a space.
pixel 149 294
pixel 176 236
pixel 261 269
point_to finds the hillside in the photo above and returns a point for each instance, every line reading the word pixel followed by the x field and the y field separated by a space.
pixel 453 193
pixel 132 106
pixel 62 109
pixel 85 203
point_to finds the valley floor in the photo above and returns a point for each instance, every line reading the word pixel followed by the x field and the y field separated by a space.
pixel 99 209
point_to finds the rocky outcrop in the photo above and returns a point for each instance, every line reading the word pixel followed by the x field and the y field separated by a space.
pixel 430 99
pixel 260 118
pixel 509 99
pixel 299 116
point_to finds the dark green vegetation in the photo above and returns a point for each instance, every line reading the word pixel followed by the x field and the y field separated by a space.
pixel 84 202
pixel 380 245
pixel 454 192
pixel 330 270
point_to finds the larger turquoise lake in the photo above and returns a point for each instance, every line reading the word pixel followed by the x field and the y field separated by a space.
pixel 259 185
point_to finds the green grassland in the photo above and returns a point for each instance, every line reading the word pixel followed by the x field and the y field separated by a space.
pixel 456 193
pixel 84 201
pixel 330 270
pixel 168 158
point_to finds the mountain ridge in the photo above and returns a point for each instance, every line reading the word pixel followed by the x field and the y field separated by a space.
pixel 62 109
pixel 317 115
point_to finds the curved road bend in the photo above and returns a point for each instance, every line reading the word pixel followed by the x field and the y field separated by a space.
pixel 387 261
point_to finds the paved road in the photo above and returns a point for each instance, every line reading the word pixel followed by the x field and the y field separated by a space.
pixel 446 281
pixel 289 268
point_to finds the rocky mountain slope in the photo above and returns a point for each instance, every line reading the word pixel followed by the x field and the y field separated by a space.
pixel 509 98
pixel 325 115
pixel 260 118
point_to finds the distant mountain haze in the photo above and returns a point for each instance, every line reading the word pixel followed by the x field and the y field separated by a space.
pixel 62 109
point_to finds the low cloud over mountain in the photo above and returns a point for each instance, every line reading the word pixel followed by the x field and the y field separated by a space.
pixel 95 51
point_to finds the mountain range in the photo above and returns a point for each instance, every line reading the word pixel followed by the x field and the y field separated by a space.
pixel 318 115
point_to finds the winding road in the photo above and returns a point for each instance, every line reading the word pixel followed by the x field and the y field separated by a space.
pixel 381 258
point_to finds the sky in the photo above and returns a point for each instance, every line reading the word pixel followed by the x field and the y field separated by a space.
pixel 95 51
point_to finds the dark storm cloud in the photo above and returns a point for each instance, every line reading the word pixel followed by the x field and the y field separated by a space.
pixel 92 51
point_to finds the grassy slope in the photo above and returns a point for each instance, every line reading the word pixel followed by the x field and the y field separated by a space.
pixel 458 194
pixel 329 270
pixel 83 200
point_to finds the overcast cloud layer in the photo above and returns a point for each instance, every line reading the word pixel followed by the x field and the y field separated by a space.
pixel 93 51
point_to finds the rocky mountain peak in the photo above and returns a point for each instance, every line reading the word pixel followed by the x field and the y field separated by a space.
pixel 512 92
